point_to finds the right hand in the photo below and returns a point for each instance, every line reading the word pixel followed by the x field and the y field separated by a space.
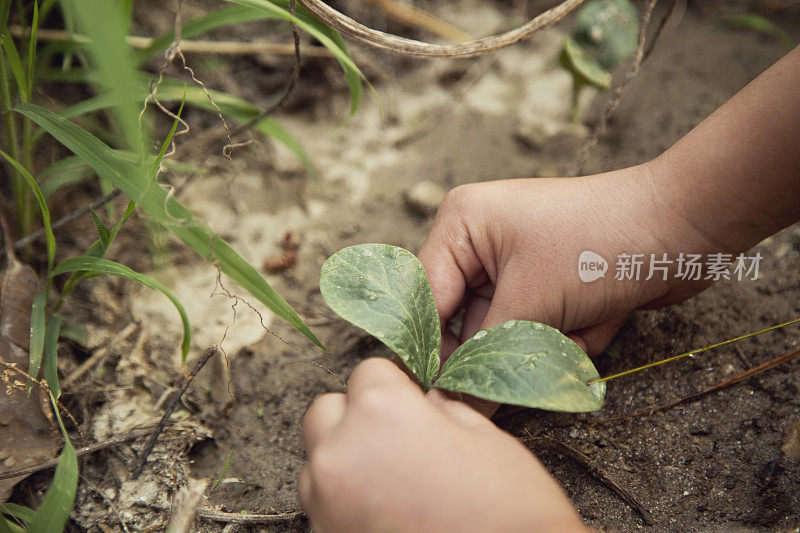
pixel 509 250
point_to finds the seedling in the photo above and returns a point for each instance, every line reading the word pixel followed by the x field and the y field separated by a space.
pixel 605 34
pixel 384 290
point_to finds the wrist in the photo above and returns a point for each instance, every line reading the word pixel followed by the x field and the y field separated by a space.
pixel 697 216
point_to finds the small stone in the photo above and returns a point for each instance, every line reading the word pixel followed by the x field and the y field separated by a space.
pixel 424 197
pixel 791 441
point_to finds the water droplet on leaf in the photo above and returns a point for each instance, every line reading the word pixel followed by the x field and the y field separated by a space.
pixel 510 324
pixel 480 334
pixel 537 326
pixel 372 295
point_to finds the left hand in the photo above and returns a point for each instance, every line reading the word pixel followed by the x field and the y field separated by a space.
pixel 386 457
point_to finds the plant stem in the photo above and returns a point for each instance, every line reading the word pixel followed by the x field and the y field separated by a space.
pixel 693 352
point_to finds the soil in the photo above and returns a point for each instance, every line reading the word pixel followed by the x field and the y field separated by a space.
pixel 714 464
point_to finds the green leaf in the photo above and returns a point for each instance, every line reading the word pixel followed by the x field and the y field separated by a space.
pixel 586 69
pixel 240 110
pixel 19 512
pixel 102 230
pixel 32 46
pixel 165 210
pixel 62 173
pixel 758 23
pixel 52 514
pixel 37 334
pixel 167 141
pixel 8 527
pixel 15 64
pixel 607 31
pixel 384 290
pixel 524 363
pixel 51 355
pixel 105 24
pixel 236 108
pixel 98 265
pixel 48 230
pixel 74 333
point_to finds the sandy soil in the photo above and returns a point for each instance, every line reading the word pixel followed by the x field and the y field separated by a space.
pixel 712 464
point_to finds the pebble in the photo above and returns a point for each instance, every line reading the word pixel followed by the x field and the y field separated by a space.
pixel 424 197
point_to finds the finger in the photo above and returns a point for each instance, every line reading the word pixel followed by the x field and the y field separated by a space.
pixel 458 410
pixel 449 258
pixel 324 414
pixel 474 316
pixel 377 373
pixel 596 338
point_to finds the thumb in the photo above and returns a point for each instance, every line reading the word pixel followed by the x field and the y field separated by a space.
pixel 450 262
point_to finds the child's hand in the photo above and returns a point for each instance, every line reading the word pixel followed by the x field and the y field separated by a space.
pixel 384 457
pixel 510 249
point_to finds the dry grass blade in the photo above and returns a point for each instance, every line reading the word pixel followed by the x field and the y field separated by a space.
pixel 772 363
pixel 410 47
pixel 413 16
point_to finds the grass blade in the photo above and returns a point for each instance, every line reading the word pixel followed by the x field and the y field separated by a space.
pixel 49 238
pixel 98 265
pixel 51 355
pixel 104 23
pixel 8 527
pixel 52 514
pixel 164 209
pixel 19 512
pixel 32 46
pixel 37 335
pixel 65 172
pixel 16 65
pixel 328 37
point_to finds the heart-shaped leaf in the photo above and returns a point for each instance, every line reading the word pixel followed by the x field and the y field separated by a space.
pixel 384 290
pixel 524 363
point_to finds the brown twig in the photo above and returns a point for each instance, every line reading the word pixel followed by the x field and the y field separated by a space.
pixel 188 45
pixel 86 450
pixel 416 17
pixel 660 29
pixel 597 471
pixel 772 363
pixel 38 234
pixel 410 47
pixel 98 354
pixel 619 91
pixel 170 409
pixel 240 518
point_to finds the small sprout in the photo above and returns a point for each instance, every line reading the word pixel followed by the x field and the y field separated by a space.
pixel 605 34
pixel 517 362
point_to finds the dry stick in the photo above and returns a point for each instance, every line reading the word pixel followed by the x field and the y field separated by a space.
pixel 694 352
pixel 597 471
pixel 414 16
pixel 410 47
pixel 110 504
pixel 618 93
pixel 188 45
pixel 86 450
pixel 240 518
pixel 772 363
pixel 101 352
pixel 38 234
pixel 170 409
pixel 660 29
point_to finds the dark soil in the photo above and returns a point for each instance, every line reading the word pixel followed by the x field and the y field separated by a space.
pixel 714 464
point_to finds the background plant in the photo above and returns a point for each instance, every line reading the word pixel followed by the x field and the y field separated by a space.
pixel 95 52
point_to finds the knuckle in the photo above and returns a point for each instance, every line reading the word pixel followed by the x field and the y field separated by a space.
pixel 374 401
